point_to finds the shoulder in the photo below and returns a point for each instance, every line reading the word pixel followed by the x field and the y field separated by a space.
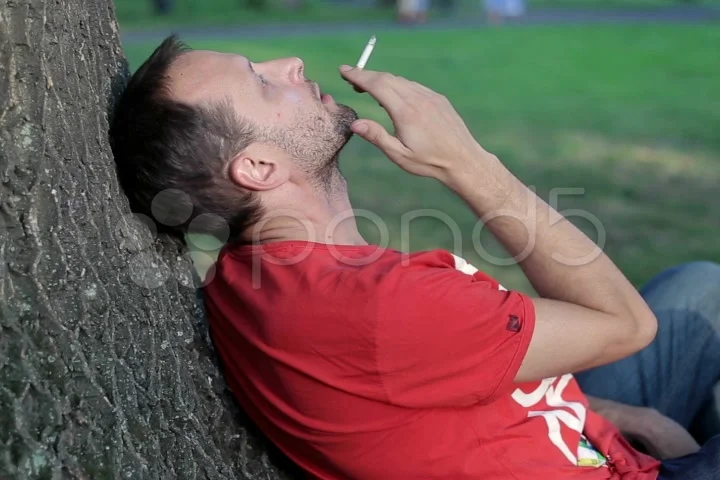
pixel 429 269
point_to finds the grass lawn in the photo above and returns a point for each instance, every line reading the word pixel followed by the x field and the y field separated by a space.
pixel 140 14
pixel 631 114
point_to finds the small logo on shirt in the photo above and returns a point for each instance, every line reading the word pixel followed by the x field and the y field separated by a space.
pixel 514 323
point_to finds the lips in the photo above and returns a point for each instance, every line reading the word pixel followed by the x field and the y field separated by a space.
pixel 324 98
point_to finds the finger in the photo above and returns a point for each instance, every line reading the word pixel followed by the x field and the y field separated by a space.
pixel 376 134
pixel 382 86
pixel 359 76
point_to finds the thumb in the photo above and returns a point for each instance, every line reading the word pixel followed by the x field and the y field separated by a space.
pixel 376 134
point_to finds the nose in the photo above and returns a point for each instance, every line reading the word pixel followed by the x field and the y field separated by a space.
pixel 295 69
pixel 289 69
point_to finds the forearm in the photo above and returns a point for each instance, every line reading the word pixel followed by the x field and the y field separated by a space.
pixel 549 247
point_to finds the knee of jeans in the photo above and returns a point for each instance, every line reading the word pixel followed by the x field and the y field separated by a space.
pixel 702 275
pixel 695 286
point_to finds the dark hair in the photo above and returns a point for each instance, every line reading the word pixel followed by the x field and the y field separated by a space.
pixel 163 145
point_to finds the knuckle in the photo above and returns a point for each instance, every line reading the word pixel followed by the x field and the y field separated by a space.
pixel 440 99
pixel 419 86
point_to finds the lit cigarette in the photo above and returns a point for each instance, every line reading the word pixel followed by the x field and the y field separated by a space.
pixel 367 52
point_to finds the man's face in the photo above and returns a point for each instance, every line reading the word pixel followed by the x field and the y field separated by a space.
pixel 287 109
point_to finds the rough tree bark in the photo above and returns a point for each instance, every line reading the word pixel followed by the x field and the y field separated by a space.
pixel 105 367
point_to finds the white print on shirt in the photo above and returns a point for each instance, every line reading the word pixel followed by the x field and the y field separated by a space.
pixel 468 269
pixel 462 265
pixel 552 393
pixel 546 390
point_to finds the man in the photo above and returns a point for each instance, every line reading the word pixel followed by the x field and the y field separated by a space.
pixel 367 363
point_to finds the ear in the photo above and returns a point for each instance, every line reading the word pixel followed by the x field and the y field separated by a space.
pixel 256 173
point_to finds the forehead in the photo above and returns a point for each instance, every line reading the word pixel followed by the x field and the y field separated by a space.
pixel 198 74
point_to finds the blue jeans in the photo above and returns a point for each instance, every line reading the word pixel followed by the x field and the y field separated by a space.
pixel 678 373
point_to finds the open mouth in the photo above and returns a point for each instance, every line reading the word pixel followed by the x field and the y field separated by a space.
pixel 324 97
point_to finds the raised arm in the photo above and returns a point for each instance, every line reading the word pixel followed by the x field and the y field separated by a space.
pixel 588 314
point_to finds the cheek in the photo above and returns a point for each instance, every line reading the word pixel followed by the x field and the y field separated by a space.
pixel 290 106
pixel 293 97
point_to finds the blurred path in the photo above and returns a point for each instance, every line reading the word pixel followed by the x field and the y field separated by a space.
pixel 538 17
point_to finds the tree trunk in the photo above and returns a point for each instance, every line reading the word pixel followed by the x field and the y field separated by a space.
pixel 105 367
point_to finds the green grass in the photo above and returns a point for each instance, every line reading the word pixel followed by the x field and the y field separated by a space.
pixel 619 4
pixel 629 113
pixel 140 14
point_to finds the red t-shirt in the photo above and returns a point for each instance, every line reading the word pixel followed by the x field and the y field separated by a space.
pixel 363 363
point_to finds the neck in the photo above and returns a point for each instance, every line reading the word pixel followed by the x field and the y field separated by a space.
pixel 321 214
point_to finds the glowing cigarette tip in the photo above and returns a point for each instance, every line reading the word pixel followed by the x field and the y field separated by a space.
pixel 367 52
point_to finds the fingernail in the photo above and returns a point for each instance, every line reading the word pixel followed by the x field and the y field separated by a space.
pixel 360 127
pixel 345 68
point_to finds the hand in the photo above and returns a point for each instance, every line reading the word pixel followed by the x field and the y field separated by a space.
pixel 430 139
pixel 663 437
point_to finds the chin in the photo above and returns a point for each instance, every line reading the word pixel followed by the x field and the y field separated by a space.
pixel 343 117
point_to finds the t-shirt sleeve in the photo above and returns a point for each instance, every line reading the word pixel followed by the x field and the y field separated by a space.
pixel 449 339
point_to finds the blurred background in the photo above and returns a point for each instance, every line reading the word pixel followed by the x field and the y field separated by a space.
pixel 620 98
